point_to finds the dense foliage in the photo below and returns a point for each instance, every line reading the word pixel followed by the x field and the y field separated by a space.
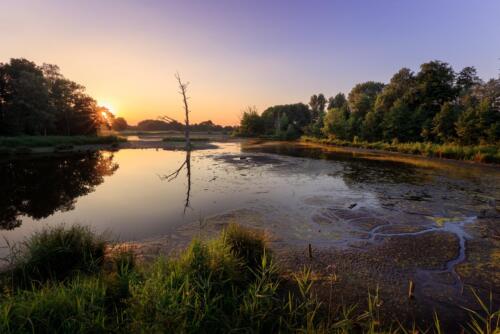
pixel 283 121
pixel 434 105
pixel 39 100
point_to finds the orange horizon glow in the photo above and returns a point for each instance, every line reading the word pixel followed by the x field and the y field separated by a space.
pixel 239 54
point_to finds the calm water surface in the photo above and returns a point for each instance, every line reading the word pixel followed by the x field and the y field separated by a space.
pixel 129 193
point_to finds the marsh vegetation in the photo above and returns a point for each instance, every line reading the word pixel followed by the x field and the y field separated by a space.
pixel 72 282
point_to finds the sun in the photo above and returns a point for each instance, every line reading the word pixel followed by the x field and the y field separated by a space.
pixel 108 106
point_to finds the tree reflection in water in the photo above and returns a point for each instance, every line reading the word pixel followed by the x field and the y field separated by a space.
pixel 172 176
pixel 37 187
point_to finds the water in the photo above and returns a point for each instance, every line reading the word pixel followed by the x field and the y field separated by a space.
pixel 305 193
pixel 126 193
pixel 381 219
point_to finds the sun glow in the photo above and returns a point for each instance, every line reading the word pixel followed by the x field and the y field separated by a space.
pixel 108 106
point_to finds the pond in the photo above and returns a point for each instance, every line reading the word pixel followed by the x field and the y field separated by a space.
pixel 337 200
pixel 126 192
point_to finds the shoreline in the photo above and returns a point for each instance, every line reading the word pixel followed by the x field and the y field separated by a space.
pixel 351 146
pixel 139 144
pixel 354 270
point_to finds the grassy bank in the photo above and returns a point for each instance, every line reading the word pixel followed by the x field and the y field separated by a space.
pixel 479 153
pixel 51 141
pixel 61 281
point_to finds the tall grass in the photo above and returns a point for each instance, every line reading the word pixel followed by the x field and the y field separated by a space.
pixel 478 153
pixel 217 286
pixel 57 253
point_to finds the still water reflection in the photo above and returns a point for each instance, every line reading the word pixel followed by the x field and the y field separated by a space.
pixel 137 194
pixel 36 188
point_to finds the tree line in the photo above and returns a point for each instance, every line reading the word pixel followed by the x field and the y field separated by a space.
pixel 119 124
pixel 436 104
pixel 39 100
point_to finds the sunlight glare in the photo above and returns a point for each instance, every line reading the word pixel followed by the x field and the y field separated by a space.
pixel 108 106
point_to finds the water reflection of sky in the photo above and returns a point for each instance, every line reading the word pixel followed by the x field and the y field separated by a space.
pixel 134 203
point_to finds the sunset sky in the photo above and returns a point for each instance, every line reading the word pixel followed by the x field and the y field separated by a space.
pixel 240 53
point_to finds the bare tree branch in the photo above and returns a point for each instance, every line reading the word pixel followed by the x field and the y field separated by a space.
pixel 183 92
pixel 173 175
pixel 168 119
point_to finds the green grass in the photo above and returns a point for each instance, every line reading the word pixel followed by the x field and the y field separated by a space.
pixel 229 284
pixel 22 142
pixel 55 254
pixel 478 153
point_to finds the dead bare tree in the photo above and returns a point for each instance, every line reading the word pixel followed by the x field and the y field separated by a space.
pixel 187 162
pixel 185 98
pixel 183 90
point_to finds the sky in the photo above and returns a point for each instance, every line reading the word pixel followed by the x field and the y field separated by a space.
pixel 237 53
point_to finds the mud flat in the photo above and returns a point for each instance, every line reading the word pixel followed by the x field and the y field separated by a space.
pixel 385 225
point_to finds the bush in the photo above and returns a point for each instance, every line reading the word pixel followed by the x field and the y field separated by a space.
pixel 58 253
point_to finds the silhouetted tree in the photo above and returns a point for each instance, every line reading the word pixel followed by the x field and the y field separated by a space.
pixel 119 124
pixel 38 100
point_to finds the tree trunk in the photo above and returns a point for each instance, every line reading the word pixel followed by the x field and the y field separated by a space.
pixel 183 87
